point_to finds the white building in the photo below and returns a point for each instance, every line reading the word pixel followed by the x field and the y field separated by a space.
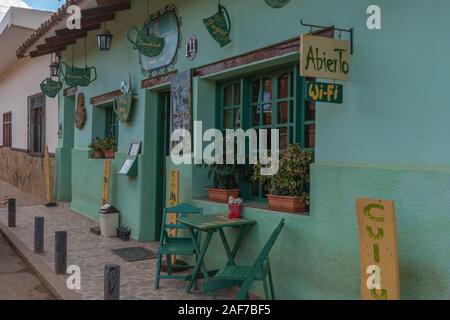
pixel 28 119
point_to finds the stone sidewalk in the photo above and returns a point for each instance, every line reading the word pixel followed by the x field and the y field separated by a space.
pixel 17 281
pixel 91 253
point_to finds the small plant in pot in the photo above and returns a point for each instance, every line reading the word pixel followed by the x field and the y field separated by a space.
pixel 226 179
pixel 109 147
pixel 287 189
pixel 96 147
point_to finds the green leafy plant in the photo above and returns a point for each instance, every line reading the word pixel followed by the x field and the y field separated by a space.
pixel 110 144
pixel 293 174
pixel 97 145
pixel 228 176
pixel 225 176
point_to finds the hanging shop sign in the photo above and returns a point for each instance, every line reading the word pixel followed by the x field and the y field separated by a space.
pixel 219 26
pixel 324 92
pixel 145 42
pixel 51 87
pixel 378 250
pixel 74 76
pixel 181 101
pixel 122 104
pixel 80 112
pixel 165 25
pixel 277 3
pixel 324 58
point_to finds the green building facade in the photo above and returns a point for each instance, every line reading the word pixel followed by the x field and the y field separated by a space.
pixel 386 140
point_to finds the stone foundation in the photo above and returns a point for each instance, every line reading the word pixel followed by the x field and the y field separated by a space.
pixel 25 171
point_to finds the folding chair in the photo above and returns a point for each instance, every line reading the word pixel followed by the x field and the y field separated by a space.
pixel 244 276
pixel 175 246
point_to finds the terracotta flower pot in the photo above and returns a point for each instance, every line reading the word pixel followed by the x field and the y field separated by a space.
pixel 98 155
pixel 221 195
pixel 286 204
pixel 110 154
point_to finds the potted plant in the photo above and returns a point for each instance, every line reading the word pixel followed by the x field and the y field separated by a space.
pixel 96 147
pixel 109 147
pixel 226 179
pixel 287 189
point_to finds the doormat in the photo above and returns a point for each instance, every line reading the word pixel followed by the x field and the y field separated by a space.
pixel 134 254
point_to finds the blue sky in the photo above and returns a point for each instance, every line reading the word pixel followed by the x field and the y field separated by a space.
pixel 45 4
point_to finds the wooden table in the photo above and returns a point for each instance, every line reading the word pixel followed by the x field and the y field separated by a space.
pixel 211 225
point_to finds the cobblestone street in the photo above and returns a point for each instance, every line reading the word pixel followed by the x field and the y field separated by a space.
pixel 91 253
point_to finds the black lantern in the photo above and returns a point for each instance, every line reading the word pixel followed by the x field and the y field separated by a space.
pixel 54 67
pixel 104 39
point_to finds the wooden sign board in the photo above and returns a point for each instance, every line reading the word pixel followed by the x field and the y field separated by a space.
pixel 48 179
pixel 324 92
pixel 378 250
pixel 325 58
pixel 106 178
pixel 174 196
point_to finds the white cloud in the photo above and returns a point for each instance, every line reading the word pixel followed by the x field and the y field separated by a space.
pixel 5 4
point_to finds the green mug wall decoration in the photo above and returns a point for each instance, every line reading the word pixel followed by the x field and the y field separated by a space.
pixel 145 42
pixel 219 26
pixel 50 87
pixel 74 76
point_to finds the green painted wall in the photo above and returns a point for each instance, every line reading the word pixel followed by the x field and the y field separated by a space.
pixel 393 121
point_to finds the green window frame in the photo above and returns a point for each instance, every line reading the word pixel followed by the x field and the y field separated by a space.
pixel 111 124
pixel 268 100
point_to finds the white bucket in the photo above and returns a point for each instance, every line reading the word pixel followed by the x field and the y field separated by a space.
pixel 109 224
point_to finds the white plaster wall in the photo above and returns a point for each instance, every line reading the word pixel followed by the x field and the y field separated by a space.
pixel 17 83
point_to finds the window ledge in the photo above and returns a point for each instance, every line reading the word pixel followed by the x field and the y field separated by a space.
pixel 255 205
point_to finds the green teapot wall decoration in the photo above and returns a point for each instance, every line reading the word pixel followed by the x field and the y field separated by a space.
pixel 219 26
pixel 145 42
pixel 74 76
pixel 50 87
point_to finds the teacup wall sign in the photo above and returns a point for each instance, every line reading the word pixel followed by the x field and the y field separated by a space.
pixel 82 77
pixel 145 42
pixel 277 3
pixel 122 104
pixel 219 26
pixel 51 87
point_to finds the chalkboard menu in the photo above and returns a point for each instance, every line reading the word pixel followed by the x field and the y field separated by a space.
pixel 181 101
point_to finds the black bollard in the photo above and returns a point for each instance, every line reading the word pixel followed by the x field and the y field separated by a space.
pixel 61 252
pixel 38 235
pixel 12 213
pixel 112 282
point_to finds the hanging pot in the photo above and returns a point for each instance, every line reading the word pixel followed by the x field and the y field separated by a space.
pixel 74 76
pixel 146 43
pixel 51 87
pixel 219 26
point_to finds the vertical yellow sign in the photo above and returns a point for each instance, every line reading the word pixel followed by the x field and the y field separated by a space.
pixel 378 250
pixel 48 179
pixel 106 178
pixel 174 196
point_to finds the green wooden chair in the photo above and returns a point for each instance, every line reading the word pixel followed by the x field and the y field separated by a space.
pixel 175 246
pixel 244 276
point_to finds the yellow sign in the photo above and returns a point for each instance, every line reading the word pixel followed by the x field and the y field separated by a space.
pixel 324 58
pixel 106 178
pixel 174 195
pixel 48 180
pixel 378 250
